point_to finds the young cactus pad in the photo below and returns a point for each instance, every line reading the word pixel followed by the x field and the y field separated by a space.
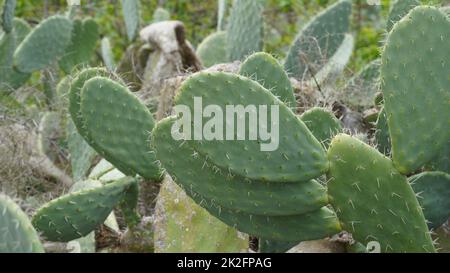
pixel 17 234
pixel 415 78
pixel 213 50
pixel 120 125
pixel 373 200
pixel 8 15
pixel 266 70
pixel 77 214
pixel 433 189
pixel 44 45
pixel 131 14
pixel 245 29
pixel 298 157
pixel 319 40
pixel 323 124
pixel 233 192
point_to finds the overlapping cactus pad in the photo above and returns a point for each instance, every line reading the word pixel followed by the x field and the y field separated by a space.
pixel 373 200
pixel 77 214
pixel 299 156
pixel 415 82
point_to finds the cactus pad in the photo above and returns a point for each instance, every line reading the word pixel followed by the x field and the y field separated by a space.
pixel 44 45
pixel 400 8
pixel 17 234
pixel 213 50
pixel 245 29
pixel 415 80
pixel 186 166
pixel 130 9
pixel 322 124
pixel 75 215
pixel 120 125
pixel 319 40
pixel 8 15
pixel 266 70
pixel 433 189
pixel 373 200
pixel 299 156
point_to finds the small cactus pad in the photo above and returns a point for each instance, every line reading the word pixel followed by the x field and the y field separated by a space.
pixel 44 45
pixel 415 81
pixel 373 200
pixel 77 214
pixel 131 14
pixel 8 15
pixel 298 157
pixel 266 70
pixel 107 54
pixel 245 29
pixel 433 189
pixel 322 124
pixel 182 226
pixel 213 50
pixel 21 29
pixel 10 79
pixel 129 204
pixel 400 8
pixel 186 166
pixel 319 40
pixel 85 35
pixel 17 234
pixel 120 125
pixel 304 227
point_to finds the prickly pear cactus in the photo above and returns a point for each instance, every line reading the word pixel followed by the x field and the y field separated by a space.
pixel 18 235
pixel 82 45
pixel 400 8
pixel 131 14
pixel 213 50
pixel 182 226
pixel 382 138
pixel 120 126
pixel 373 200
pixel 299 156
pixel 185 166
pixel 323 124
pixel 245 29
pixel 8 15
pixel 415 87
pixel 45 44
pixel 433 189
pixel 319 40
pixel 77 214
pixel 21 29
pixel 265 69
pixel 222 10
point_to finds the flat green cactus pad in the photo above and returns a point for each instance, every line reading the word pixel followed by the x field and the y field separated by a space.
pixel 120 125
pixel 323 124
pixel 433 189
pixel 373 200
pixel 45 44
pixel 400 8
pixel 77 214
pixel 266 70
pixel 415 80
pixel 298 157
pixel 17 234
pixel 131 14
pixel 193 172
pixel 245 29
pixel 10 79
pixel 213 50
pixel 382 138
pixel 319 40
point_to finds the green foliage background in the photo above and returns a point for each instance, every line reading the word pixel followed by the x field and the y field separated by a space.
pixel 283 20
